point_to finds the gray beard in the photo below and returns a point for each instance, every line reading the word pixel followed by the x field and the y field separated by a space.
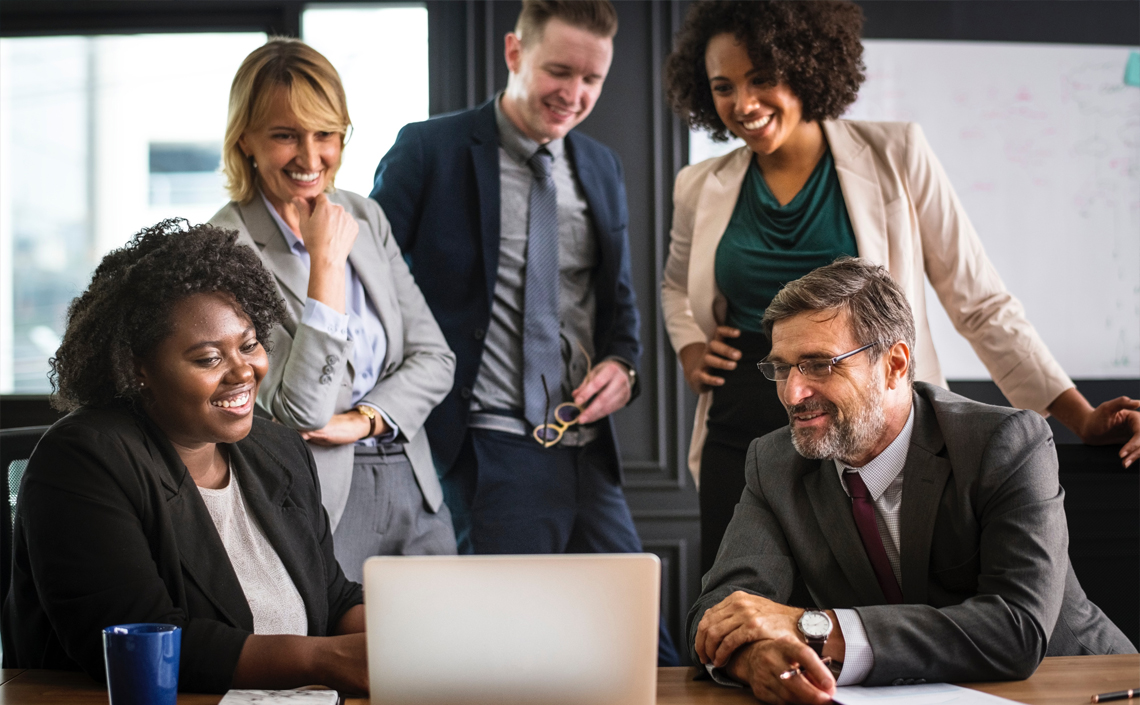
pixel 844 438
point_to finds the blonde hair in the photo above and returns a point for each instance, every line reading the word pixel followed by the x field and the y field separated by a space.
pixel 315 93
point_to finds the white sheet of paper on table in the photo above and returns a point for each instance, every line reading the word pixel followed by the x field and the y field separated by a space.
pixel 280 697
pixel 924 694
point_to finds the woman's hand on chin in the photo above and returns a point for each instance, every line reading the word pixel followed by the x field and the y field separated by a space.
pixel 348 427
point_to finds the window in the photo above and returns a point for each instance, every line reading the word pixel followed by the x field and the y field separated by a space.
pixel 103 135
pixel 381 54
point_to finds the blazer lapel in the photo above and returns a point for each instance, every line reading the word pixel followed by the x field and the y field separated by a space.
pixel 286 266
pixel 199 545
pixel 859 182
pixel 265 493
pixel 924 479
pixel 833 513
pixel 368 261
pixel 715 206
pixel 605 221
pixel 485 159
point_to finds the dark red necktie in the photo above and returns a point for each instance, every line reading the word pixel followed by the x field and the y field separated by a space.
pixel 864 512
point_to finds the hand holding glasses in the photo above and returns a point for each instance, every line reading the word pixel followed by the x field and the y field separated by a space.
pixel 812 369
pixel 566 414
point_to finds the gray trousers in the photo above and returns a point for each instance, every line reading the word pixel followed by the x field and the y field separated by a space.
pixel 386 514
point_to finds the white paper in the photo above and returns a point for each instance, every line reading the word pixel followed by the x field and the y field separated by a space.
pixel 924 694
pixel 284 697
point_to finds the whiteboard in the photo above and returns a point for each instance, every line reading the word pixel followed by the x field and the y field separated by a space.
pixel 1042 145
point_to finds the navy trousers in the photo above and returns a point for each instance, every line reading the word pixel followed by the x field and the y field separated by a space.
pixel 509 495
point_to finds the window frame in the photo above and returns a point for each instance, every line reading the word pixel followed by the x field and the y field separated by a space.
pixel 47 18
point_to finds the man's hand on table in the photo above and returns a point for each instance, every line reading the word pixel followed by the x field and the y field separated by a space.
pixel 760 664
pixel 757 639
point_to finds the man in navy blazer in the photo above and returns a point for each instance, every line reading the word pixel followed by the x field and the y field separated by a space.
pixel 457 191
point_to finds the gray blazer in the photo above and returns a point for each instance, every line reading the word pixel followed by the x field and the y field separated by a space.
pixel 310 372
pixel 986 580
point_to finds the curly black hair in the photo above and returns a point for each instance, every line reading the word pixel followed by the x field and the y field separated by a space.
pixel 813 46
pixel 125 311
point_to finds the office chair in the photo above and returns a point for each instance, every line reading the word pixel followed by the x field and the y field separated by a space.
pixel 16 445
pixel 1102 503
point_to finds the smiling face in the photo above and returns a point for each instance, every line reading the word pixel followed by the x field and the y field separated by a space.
pixel 555 80
pixel 200 383
pixel 292 161
pixel 754 106
pixel 843 415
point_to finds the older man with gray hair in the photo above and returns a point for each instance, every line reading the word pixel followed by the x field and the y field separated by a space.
pixel 894 532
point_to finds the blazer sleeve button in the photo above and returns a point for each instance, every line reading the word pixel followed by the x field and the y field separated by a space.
pixel 898 681
pixel 465 392
pixel 332 360
pixel 327 369
pixel 326 379
pixel 479 333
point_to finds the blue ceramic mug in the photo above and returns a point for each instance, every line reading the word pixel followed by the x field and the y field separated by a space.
pixel 142 663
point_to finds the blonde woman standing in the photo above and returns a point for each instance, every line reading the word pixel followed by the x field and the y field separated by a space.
pixel 359 362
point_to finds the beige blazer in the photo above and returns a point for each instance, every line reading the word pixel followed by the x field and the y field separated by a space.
pixel 907 218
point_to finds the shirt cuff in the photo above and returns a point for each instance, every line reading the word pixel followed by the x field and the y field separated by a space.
pixel 393 430
pixel 719 675
pixel 323 318
pixel 858 660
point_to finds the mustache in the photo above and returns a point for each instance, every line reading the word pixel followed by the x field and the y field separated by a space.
pixel 811 406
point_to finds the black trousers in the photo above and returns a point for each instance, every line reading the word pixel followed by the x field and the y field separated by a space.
pixel 744 408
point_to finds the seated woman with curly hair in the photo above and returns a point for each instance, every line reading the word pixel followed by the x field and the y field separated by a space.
pixel 161 498
pixel 806 189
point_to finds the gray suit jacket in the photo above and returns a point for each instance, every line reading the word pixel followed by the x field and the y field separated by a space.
pixel 310 372
pixel 986 579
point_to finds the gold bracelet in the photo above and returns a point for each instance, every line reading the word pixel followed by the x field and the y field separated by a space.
pixel 369 413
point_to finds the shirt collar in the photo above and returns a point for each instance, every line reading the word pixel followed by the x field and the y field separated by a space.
pixel 291 239
pixel 881 471
pixel 518 145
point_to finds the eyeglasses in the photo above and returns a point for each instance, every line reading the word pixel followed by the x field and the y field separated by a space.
pixel 812 369
pixel 565 414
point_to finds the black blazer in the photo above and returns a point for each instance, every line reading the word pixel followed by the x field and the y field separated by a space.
pixel 439 187
pixel 110 529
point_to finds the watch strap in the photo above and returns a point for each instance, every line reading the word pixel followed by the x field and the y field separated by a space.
pixel 816 644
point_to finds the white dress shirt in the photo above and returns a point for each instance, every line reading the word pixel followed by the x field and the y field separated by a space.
pixel 883 476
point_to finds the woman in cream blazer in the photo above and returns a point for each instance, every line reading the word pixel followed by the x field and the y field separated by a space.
pixel 902 211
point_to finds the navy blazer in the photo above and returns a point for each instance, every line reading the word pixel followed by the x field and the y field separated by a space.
pixel 439 187
pixel 110 529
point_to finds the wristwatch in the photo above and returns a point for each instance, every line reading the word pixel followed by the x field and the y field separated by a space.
pixel 369 413
pixel 815 625
pixel 632 376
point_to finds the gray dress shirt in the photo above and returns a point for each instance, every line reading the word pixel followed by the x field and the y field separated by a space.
pixel 499 384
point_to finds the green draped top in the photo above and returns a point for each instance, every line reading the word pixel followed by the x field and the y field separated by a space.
pixel 767 245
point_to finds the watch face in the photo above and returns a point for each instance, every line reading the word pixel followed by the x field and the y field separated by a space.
pixel 815 624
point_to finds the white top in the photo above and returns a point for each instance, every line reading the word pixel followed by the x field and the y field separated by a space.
pixel 273 599
pixel 883 476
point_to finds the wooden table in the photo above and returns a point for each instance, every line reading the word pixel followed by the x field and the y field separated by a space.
pixel 1059 681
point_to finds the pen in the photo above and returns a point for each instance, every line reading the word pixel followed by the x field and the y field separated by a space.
pixel 1105 697
pixel 798 670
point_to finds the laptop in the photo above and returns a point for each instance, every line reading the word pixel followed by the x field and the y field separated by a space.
pixel 557 630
